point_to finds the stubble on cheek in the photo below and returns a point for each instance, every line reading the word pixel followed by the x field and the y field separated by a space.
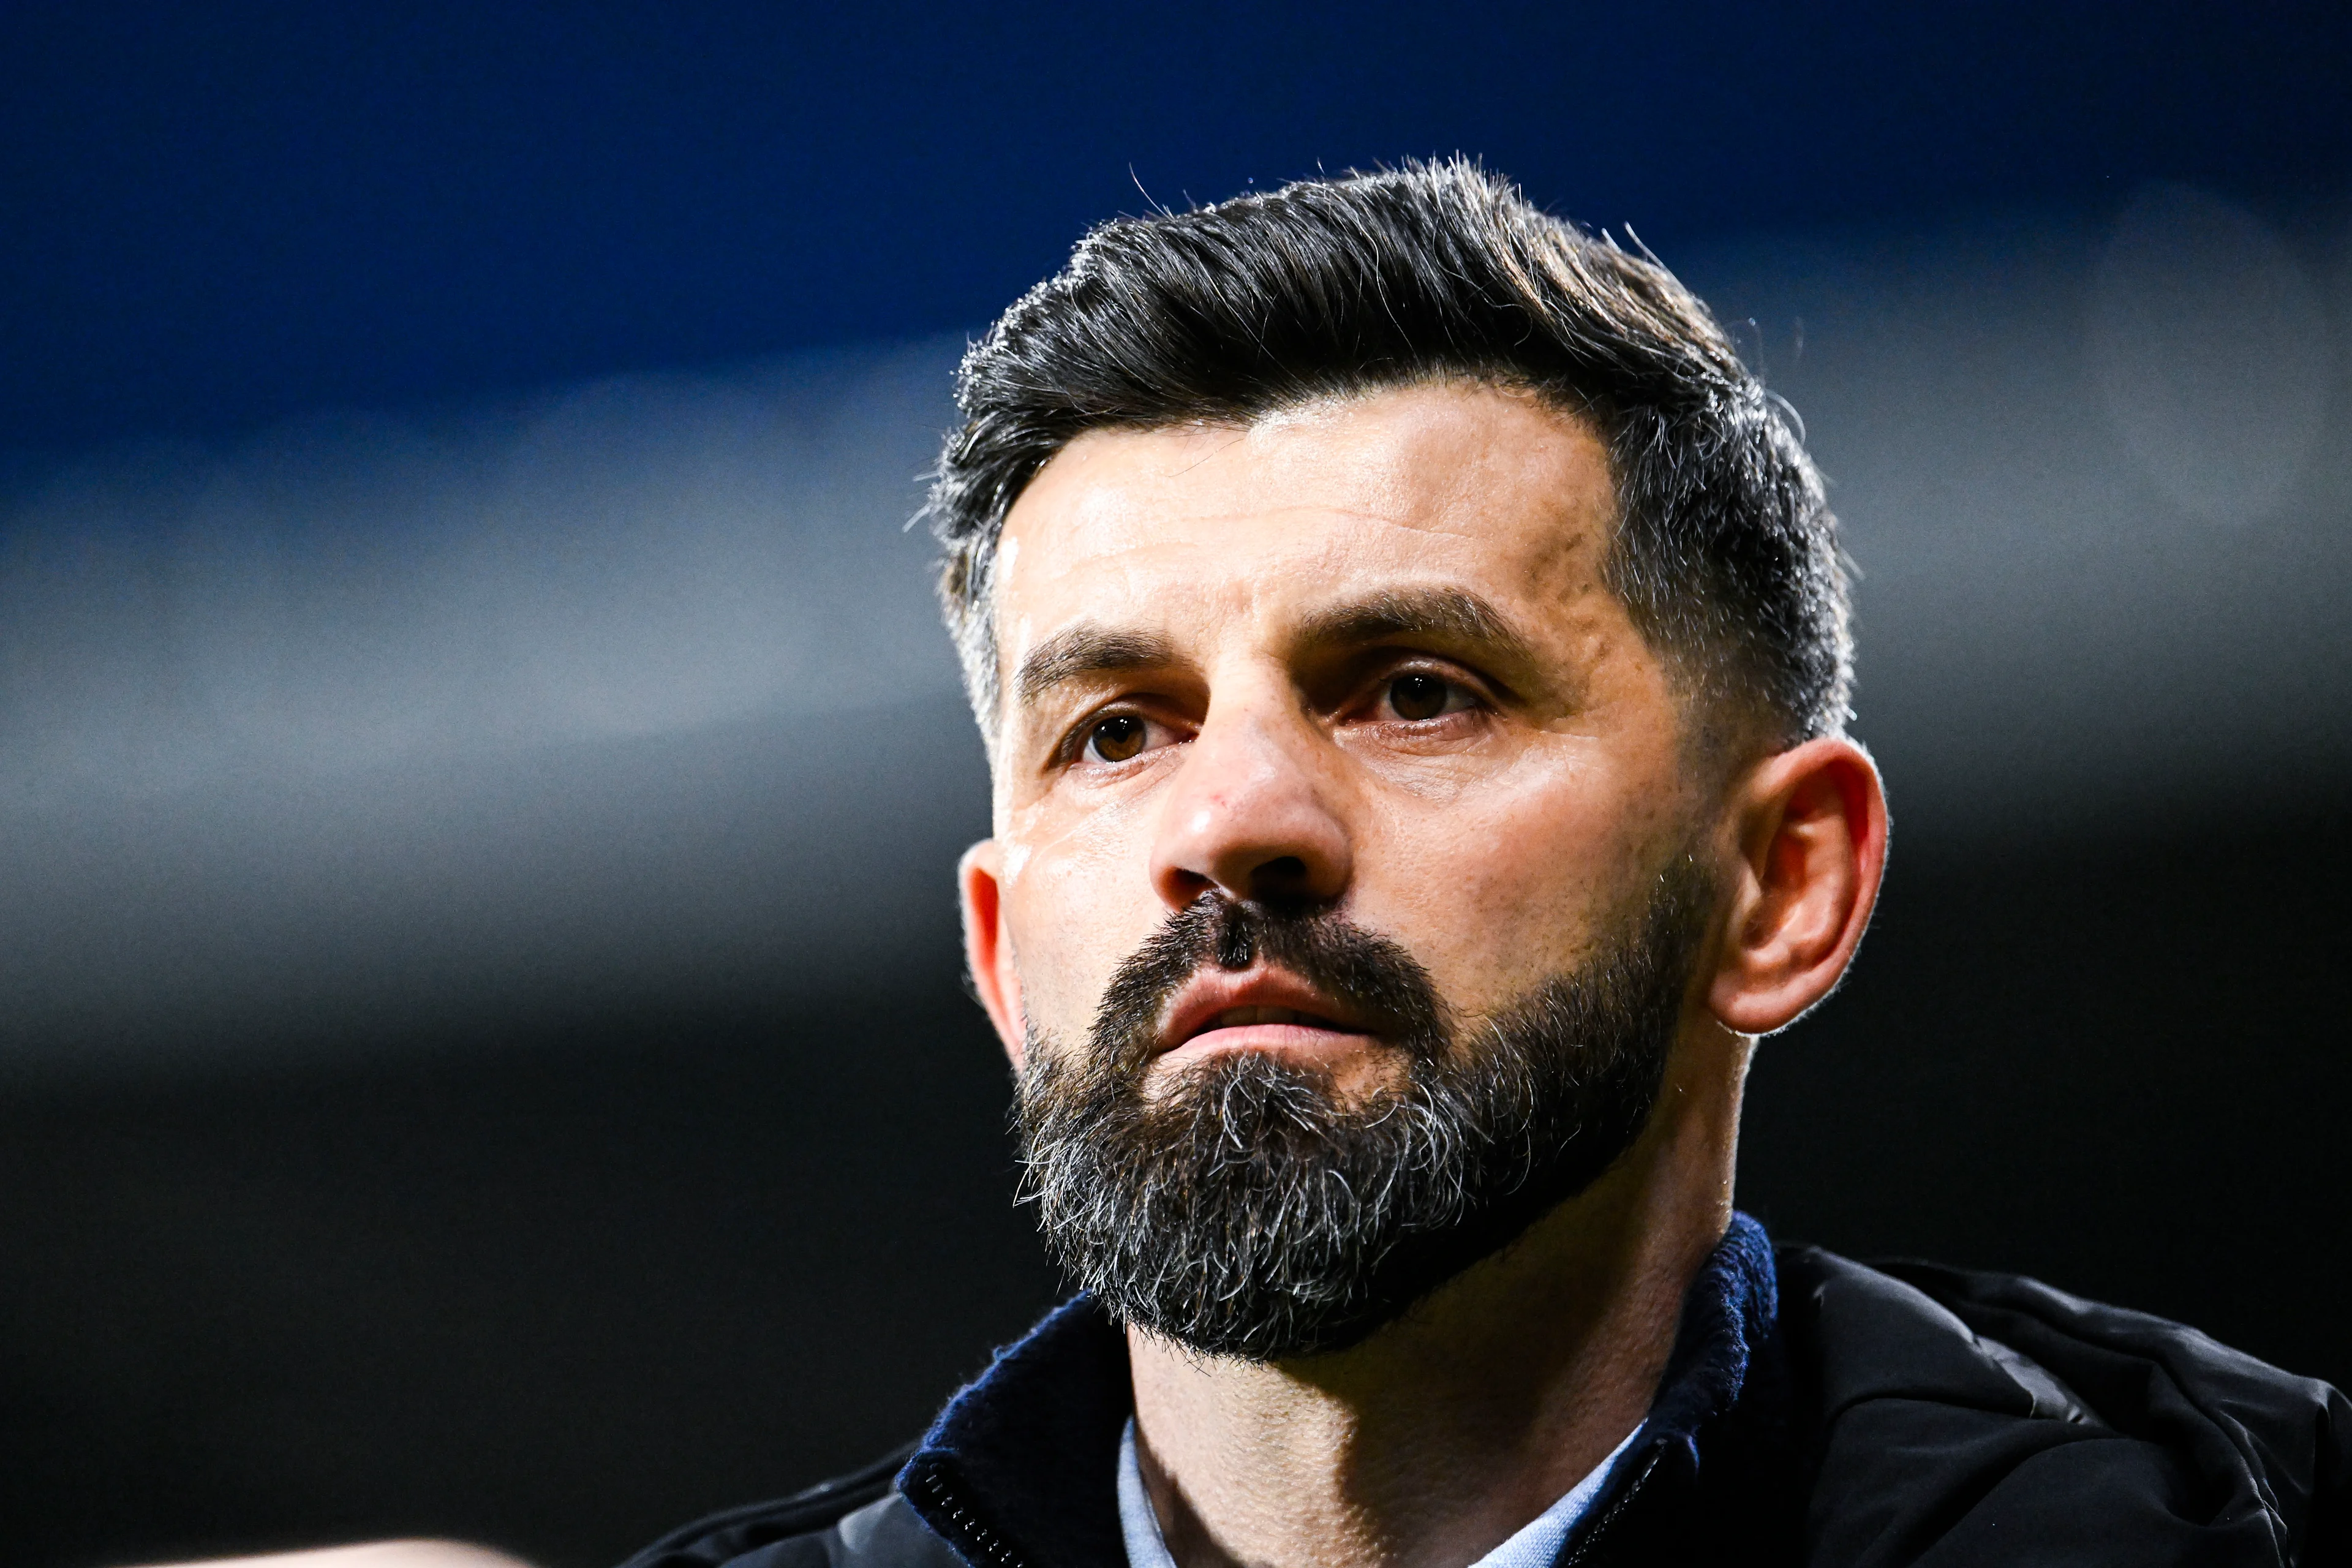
pixel 1530 888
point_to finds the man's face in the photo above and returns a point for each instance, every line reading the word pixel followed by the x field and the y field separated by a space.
pixel 1359 657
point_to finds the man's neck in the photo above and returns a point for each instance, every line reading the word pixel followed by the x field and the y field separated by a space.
pixel 1435 1439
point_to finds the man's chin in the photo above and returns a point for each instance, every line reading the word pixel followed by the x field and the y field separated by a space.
pixel 1266 1329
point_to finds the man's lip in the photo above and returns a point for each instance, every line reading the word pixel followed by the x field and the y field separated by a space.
pixel 1257 999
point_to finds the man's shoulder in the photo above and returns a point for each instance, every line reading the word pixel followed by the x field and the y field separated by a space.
pixel 856 1521
pixel 1961 1414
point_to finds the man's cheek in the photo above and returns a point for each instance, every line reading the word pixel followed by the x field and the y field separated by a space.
pixel 1065 962
pixel 1044 970
pixel 1083 904
pixel 1488 939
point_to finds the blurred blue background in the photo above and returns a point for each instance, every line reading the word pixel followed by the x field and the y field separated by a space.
pixel 480 1045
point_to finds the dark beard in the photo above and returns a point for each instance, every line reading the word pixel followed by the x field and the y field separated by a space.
pixel 1250 1210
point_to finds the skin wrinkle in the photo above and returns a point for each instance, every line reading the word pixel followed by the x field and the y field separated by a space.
pixel 1456 613
pixel 1039 667
pixel 1082 650
pixel 1264 434
pixel 1495 850
pixel 1437 617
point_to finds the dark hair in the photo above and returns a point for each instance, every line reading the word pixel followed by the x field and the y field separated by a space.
pixel 1724 553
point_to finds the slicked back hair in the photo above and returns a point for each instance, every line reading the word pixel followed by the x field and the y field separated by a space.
pixel 1723 553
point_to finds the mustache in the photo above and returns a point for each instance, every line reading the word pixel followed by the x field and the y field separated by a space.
pixel 1373 976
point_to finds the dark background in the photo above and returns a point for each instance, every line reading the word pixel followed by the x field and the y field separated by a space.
pixel 524 1093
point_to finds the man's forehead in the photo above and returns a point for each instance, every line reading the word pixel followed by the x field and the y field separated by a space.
pixel 1485 488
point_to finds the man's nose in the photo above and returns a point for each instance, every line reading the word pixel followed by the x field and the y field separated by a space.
pixel 1250 815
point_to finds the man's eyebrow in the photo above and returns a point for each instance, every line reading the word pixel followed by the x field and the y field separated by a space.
pixel 1445 615
pixel 1086 649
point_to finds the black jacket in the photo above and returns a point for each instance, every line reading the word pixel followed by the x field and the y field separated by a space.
pixel 1815 1412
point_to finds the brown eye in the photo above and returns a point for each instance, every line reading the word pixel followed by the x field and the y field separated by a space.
pixel 1116 739
pixel 1416 697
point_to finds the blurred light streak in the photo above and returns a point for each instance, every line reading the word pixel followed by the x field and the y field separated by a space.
pixel 639 685
pixel 630 557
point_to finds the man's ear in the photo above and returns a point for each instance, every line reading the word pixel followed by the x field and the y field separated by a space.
pixel 1812 822
pixel 988 947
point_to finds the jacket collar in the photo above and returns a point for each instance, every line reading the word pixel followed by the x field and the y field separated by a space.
pixel 1021 1468
pixel 1728 1314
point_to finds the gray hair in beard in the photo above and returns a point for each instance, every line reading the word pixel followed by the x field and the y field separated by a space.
pixel 1248 1209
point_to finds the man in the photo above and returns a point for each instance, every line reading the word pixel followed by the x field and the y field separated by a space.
pixel 1413 656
